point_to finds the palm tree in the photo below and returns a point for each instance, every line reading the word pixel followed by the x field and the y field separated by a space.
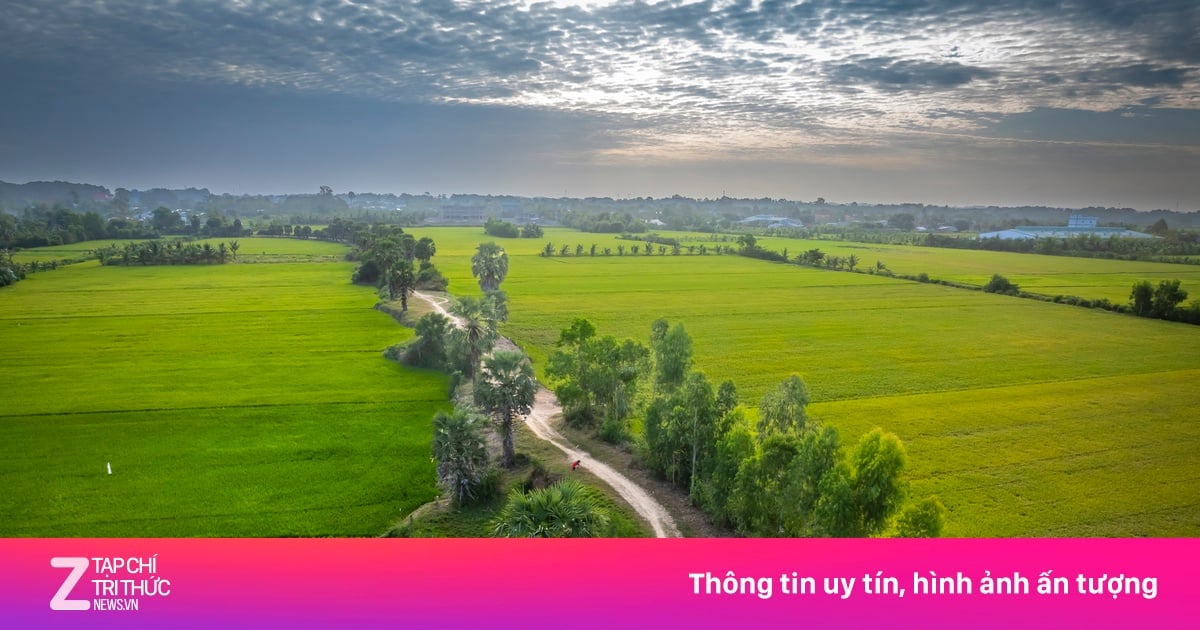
pixel 478 330
pixel 489 265
pixel 401 281
pixel 506 391
pixel 234 246
pixel 425 249
pixel 460 451
pixel 564 510
pixel 408 247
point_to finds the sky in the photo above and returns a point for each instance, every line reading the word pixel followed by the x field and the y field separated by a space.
pixel 1007 102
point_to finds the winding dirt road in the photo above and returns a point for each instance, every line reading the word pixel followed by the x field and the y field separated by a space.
pixel 540 420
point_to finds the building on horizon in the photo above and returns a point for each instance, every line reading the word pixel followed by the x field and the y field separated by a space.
pixel 1077 225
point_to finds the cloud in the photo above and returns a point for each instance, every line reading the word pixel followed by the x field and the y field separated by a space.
pixel 676 77
pixel 1142 75
pixel 900 74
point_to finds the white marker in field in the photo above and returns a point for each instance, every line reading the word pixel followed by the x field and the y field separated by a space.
pixel 110 468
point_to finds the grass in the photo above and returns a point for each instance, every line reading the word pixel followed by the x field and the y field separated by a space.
pixel 1027 418
pixel 231 400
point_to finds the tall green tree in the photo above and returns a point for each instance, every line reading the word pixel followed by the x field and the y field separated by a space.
pixel 836 513
pixel 1167 298
pixel 498 302
pixel 506 389
pixel 782 409
pixel 672 348
pixel 878 462
pixel 424 249
pixel 428 349
pixel 681 432
pixel 596 378
pixel 699 425
pixel 567 367
pixel 735 446
pixel 166 220
pixel 460 450
pixel 489 265
pixel 475 336
pixel 401 282
pixel 819 452
pixel 1142 298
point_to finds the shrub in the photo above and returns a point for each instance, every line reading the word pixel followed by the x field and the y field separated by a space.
pixel 1000 284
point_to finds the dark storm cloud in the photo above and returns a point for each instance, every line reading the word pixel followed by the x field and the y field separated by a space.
pixel 899 74
pixel 1137 75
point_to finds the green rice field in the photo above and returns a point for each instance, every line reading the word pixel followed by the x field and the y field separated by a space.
pixel 230 400
pixel 1091 278
pixel 1026 418
pixel 251 399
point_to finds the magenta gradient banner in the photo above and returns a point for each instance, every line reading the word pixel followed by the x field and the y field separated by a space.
pixel 573 584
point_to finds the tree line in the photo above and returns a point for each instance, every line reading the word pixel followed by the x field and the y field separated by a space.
pixel 1172 246
pixel 160 252
pixel 505 229
pixel 43 225
pixel 786 475
pixel 645 247
pixel 396 262
pixel 1164 301
pixel 604 222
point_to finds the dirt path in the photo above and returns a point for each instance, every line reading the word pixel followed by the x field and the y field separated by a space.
pixel 540 419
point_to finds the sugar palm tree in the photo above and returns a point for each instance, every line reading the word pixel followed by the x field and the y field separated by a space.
pixel 506 389
pixel 460 451
pixel 489 266
pixel 564 510
pixel 477 333
pixel 401 282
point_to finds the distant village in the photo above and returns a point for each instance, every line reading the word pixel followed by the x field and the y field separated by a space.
pixel 630 214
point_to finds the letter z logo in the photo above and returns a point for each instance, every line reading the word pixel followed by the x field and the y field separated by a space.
pixel 78 567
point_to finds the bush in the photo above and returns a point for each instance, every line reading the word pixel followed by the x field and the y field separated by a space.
pixel 1000 284
pixel 430 279
pixel 502 229
pixel 614 431
pixel 367 273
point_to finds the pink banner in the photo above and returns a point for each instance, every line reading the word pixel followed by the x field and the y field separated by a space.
pixel 367 583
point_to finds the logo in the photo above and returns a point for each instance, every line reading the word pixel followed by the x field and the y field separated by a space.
pixel 118 584
pixel 78 567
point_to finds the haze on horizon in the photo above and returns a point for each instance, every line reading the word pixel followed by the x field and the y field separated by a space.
pixel 1011 102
